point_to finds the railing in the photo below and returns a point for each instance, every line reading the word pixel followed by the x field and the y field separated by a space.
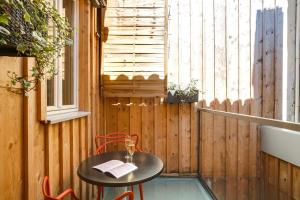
pixel 231 161
pixel 255 119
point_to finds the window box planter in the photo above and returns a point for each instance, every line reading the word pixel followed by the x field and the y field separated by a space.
pixel 174 97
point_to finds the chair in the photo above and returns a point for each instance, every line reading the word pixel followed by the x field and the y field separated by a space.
pixel 102 141
pixel 115 137
pixel 128 194
pixel 47 193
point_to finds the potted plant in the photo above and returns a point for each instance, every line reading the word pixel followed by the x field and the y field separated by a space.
pixel 24 30
pixel 177 94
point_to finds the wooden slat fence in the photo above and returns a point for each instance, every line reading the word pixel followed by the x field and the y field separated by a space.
pixel 240 170
pixel 167 130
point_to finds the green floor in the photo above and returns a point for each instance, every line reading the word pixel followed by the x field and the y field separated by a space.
pixel 167 188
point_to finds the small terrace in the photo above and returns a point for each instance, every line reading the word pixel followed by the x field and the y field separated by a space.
pixel 210 88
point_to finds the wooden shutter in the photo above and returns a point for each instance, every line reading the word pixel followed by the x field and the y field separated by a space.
pixel 134 51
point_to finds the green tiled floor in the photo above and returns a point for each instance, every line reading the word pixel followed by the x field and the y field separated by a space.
pixel 167 188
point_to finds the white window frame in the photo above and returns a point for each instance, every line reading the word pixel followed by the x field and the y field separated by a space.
pixel 58 107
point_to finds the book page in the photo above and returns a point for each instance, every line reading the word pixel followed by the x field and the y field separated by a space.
pixel 104 167
pixel 122 170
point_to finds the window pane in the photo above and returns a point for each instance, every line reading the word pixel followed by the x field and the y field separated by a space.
pixel 67 59
pixel 50 92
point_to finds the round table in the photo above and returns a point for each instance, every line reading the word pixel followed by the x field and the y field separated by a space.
pixel 149 166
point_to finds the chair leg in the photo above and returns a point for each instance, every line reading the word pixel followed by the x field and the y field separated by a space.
pixel 141 192
pixel 100 192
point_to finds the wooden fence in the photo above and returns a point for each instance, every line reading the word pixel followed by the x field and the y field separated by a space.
pixel 232 164
pixel 168 130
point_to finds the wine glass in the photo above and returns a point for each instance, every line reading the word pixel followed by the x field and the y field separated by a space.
pixel 130 146
pixel 127 142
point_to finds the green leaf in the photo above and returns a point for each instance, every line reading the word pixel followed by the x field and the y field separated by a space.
pixel 27 17
pixel 4 31
pixel 22 47
pixel 4 19
pixel 2 42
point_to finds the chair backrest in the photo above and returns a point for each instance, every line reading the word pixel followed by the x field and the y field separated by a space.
pixel 46 189
pixel 102 141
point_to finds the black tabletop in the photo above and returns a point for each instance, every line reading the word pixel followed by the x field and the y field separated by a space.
pixel 149 166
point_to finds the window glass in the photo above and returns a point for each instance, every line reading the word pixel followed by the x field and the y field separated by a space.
pixel 67 59
pixel 61 89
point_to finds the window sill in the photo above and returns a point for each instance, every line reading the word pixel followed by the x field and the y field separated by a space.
pixel 57 118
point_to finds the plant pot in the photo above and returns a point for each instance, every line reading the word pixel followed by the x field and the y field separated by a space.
pixel 174 98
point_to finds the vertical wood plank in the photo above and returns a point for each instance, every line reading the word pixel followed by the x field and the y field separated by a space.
pixel 148 125
pixel 123 118
pixel 219 153
pixel 278 60
pixel 291 62
pixel 196 42
pixel 194 138
pixel 207 129
pixel 173 73
pixel 53 160
pixel 243 153
pixel 82 129
pixel 272 177
pixel 64 136
pixel 296 182
pixel 75 151
pixel 283 180
pixel 111 121
pixel 184 131
pixel 208 52
pixel 160 130
pixel 231 154
pixel 268 59
pixel 172 138
pixel 135 118
pixel 184 42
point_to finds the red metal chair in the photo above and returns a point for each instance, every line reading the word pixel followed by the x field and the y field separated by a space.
pixel 130 195
pixel 114 137
pixel 47 193
pixel 102 141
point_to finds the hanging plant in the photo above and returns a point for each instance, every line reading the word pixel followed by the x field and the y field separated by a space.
pixel 24 25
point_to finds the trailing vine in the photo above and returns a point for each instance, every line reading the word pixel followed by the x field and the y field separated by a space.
pixel 25 24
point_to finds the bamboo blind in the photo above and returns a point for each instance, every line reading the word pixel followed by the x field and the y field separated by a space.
pixel 134 50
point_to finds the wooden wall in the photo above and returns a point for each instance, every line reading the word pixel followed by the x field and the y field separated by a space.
pixel 11 145
pixel 167 130
pixel 230 156
pixel 281 180
pixel 31 149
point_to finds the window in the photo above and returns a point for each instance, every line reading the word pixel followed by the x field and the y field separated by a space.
pixel 134 59
pixel 62 89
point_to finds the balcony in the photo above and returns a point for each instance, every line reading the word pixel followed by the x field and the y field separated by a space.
pixel 126 57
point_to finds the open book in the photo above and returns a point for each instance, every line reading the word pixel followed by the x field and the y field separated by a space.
pixel 116 168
